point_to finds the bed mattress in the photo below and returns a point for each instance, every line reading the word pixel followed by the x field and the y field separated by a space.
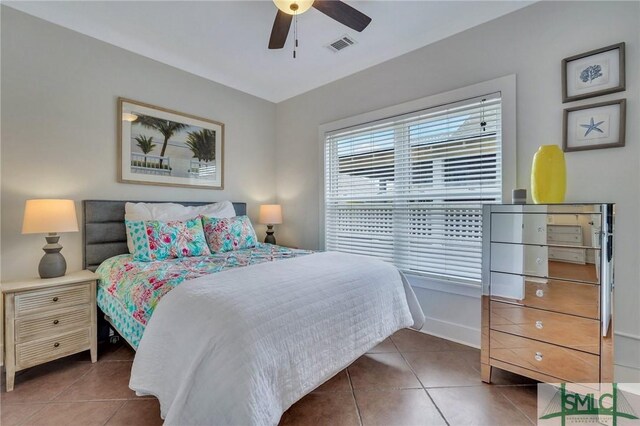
pixel 246 343
pixel 129 291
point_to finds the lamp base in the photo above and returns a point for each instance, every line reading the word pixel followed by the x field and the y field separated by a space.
pixel 270 239
pixel 52 264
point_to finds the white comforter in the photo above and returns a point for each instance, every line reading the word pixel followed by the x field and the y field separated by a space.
pixel 241 346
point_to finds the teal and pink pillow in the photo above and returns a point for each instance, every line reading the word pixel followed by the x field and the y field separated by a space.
pixel 155 240
pixel 226 234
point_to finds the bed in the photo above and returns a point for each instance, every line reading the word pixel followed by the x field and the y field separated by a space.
pixel 237 338
pixel 104 239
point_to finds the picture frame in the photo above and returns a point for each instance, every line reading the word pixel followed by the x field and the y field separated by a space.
pixel 594 126
pixel 159 146
pixel 594 73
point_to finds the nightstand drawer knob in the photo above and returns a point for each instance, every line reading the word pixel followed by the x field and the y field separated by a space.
pixel 538 356
pixel 55 322
pixel 539 293
pixel 55 299
pixel 56 344
pixel 539 325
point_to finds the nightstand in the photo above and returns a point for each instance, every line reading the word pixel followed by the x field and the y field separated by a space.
pixel 47 319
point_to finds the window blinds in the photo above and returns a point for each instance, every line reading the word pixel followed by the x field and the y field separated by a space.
pixel 409 189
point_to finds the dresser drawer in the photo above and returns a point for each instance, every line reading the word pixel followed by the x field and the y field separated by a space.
pixel 50 323
pixel 39 351
pixel 564 229
pixel 564 363
pixel 31 301
pixel 554 295
pixel 565 239
pixel 519 228
pixel 532 228
pixel 560 329
pixel 567 255
pixel 536 261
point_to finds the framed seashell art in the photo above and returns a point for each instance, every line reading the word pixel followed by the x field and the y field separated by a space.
pixel 594 73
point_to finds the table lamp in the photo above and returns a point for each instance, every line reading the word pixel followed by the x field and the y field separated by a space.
pixel 51 217
pixel 270 214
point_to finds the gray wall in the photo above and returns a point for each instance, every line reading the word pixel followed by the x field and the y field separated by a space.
pixel 529 43
pixel 58 131
pixel 59 92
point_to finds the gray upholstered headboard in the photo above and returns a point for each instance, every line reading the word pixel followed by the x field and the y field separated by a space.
pixel 104 231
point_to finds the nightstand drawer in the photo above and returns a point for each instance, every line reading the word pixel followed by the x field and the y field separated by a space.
pixel 39 351
pixel 28 302
pixel 566 364
pixel 50 323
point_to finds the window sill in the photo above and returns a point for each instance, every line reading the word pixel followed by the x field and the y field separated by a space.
pixel 444 286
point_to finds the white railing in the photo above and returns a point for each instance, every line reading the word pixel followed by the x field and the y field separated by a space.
pixel 150 164
pixel 202 168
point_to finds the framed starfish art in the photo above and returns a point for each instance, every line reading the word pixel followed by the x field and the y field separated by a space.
pixel 595 126
pixel 593 73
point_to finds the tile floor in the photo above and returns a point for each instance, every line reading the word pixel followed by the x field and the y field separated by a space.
pixel 409 379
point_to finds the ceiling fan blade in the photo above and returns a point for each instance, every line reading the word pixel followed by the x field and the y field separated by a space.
pixel 280 30
pixel 343 13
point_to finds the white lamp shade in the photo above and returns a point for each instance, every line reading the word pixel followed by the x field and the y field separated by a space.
pixel 301 6
pixel 48 216
pixel 270 214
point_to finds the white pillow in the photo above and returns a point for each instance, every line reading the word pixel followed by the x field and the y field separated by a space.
pixel 167 212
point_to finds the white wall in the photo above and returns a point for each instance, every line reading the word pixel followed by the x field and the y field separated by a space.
pixel 58 132
pixel 59 92
pixel 529 43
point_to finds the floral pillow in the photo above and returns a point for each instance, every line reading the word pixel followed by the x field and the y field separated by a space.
pixel 155 240
pixel 226 234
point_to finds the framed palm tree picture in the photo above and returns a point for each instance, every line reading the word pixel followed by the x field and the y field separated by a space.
pixel 159 146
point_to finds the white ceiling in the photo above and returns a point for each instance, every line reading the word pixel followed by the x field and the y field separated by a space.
pixel 226 41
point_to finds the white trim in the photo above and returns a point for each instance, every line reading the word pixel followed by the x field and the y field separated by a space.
pixel 632 386
pixel 445 286
pixel 322 130
pixel 505 85
pixel 627 348
pixel 458 333
pixel 625 374
pixel 627 335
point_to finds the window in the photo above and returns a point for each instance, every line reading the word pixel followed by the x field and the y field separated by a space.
pixel 409 189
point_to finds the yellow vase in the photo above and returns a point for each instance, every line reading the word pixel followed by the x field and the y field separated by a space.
pixel 548 175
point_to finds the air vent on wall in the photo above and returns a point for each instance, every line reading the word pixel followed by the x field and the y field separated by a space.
pixel 341 43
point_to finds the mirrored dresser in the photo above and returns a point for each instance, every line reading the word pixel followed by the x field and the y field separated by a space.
pixel 547 273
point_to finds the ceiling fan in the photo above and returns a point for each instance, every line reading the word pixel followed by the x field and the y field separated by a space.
pixel 335 9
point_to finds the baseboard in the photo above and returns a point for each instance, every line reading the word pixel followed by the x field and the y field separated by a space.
pixel 627 355
pixel 626 374
pixel 627 335
pixel 451 331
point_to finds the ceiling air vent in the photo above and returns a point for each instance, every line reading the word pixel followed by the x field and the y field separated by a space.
pixel 341 43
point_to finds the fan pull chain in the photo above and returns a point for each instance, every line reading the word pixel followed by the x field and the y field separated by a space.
pixel 295 33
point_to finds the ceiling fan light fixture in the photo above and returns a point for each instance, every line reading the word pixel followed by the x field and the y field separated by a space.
pixel 293 7
pixel 129 116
